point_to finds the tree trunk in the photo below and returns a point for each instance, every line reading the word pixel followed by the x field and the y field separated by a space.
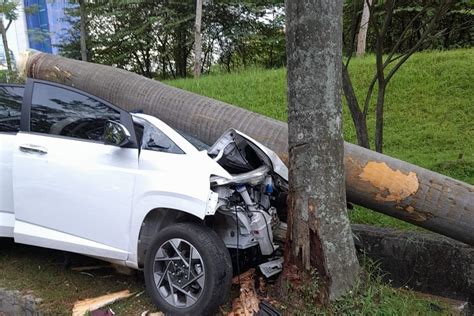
pixel 180 56
pixel 358 117
pixel 198 40
pixel 379 118
pixel 8 58
pixel 364 25
pixel 319 234
pixel 83 23
pixel 375 181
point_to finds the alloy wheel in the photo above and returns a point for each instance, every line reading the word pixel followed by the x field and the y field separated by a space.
pixel 179 273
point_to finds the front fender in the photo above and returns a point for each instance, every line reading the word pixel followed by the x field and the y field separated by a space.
pixel 171 181
pixel 153 200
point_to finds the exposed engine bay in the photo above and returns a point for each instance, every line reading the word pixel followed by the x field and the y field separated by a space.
pixel 253 201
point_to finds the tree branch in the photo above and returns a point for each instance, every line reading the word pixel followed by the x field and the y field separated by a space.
pixel 420 42
pixel 8 25
pixel 401 39
pixel 369 94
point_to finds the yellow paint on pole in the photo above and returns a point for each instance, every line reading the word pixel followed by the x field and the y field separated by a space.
pixel 392 185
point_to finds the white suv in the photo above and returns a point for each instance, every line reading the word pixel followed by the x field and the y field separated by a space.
pixel 82 175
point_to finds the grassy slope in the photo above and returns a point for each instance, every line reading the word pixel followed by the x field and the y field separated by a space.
pixel 429 106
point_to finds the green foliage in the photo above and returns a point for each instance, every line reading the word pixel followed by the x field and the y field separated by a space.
pixel 10 77
pixel 429 110
pixel 155 38
pixel 455 30
pixel 70 45
pixel 9 9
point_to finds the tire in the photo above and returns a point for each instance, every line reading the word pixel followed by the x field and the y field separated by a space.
pixel 211 267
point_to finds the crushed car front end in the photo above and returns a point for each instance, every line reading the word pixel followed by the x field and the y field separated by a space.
pixel 252 201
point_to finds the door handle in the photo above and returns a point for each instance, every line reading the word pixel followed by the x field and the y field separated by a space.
pixel 33 149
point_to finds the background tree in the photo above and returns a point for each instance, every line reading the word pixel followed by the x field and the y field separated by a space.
pixel 197 40
pixel 160 35
pixel 8 12
pixel 319 235
pixel 83 27
pixel 156 38
pixel 364 25
pixel 420 32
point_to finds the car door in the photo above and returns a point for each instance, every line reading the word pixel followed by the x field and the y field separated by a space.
pixel 71 191
pixel 11 97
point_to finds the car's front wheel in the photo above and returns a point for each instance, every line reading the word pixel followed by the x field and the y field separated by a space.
pixel 188 270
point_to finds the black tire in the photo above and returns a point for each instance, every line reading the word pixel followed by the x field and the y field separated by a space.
pixel 217 267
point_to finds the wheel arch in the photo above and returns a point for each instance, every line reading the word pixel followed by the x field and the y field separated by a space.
pixel 155 220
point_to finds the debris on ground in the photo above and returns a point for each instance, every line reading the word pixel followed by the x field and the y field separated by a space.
pixel 266 309
pixel 100 312
pixel 247 304
pixel 146 313
pixel 271 268
pixel 91 304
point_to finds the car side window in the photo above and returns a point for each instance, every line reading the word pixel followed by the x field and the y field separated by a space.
pixel 152 138
pixel 58 111
pixel 11 99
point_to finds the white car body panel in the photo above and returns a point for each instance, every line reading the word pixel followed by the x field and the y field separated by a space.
pixel 7 217
pixel 90 198
pixel 31 234
pixel 171 181
pixel 83 189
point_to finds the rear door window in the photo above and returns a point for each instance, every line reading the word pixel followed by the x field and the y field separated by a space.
pixel 62 112
pixel 11 98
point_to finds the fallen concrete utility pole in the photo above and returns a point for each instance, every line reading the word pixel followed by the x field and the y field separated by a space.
pixel 375 181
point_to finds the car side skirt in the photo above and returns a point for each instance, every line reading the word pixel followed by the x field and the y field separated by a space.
pixel 26 233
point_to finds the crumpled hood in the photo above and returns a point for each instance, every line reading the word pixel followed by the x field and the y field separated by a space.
pixel 202 161
pixel 241 141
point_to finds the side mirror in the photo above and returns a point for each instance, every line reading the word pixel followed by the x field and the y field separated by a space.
pixel 116 134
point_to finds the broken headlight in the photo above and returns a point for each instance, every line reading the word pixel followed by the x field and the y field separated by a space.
pixel 253 177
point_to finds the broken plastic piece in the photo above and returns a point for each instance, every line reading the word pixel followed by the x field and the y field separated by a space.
pixel 266 309
pixel 271 268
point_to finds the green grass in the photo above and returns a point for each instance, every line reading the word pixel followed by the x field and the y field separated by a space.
pixel 429 116
pixel 369 296
pixel 42 272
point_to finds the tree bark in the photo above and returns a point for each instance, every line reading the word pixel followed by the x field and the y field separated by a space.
pixel 83 31
pixel 198 40
pixel 8 58
pixel 364 25
pixel 319 234
pixel 375 181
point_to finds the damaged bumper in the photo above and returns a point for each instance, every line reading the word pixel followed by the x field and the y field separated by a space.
pixel 251 200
